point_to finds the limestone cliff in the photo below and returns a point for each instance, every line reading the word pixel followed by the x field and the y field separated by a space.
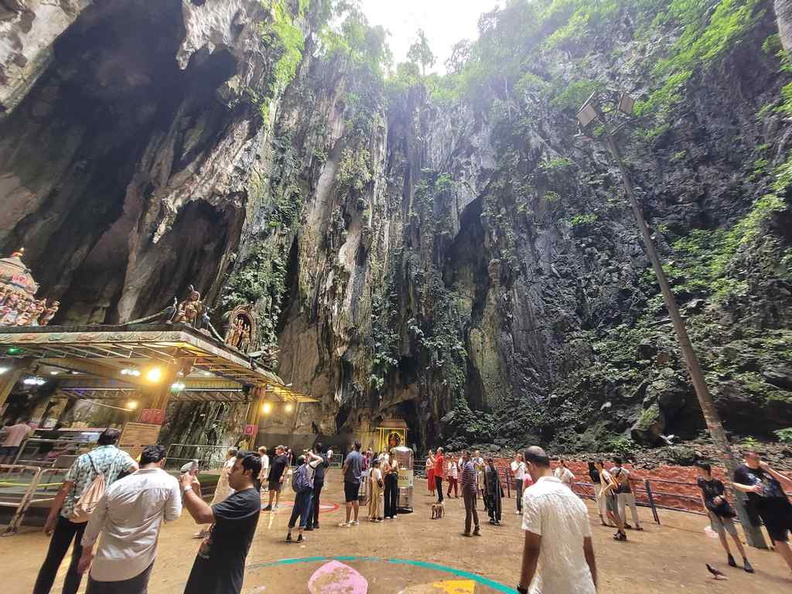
pixel 440 249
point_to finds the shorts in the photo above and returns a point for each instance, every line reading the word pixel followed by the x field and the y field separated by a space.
pixel 351 491
pixel 9 450
pixel 722 525
pixel 776 514
pixel 274 486
pixel 612 504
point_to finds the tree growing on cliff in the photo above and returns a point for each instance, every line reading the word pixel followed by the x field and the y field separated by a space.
pixel 421 53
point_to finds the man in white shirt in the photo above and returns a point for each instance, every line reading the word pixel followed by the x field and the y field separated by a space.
pixel 129 517
pixel 563 474
pixel 518 470
pixel 558 557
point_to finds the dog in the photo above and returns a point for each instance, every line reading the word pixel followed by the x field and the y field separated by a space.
pixel 437 511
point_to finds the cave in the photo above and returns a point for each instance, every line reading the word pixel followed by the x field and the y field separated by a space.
pixel 76 158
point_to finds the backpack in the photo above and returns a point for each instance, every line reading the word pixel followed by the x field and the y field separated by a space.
pixel 300 482
pixel 87 502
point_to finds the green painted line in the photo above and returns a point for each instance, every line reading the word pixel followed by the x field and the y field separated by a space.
pixel 498 587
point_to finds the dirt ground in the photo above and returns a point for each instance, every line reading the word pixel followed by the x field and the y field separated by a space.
pixel 416 555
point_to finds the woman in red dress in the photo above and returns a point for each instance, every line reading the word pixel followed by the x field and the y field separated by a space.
pixel 430 479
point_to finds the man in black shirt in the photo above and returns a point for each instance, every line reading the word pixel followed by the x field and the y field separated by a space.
pixel 219 567
pixel 319 476
pixel 763 486
pixel 276 476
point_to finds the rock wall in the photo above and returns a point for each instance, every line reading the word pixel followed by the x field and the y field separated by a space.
pixel 442 250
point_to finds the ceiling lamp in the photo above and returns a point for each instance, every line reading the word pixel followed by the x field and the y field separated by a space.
pixel 154 375
pixel 34 381
pixel 266 408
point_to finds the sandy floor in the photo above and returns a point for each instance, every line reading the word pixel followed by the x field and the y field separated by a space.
pixel 416 555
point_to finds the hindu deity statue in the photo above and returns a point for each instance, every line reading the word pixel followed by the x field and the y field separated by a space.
pixel 47 313
pixel 190 310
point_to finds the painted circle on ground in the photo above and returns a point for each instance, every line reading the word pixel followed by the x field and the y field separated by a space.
pixel 446 573
pixel 324 508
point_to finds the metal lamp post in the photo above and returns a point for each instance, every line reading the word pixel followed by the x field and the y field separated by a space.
pixel 591 114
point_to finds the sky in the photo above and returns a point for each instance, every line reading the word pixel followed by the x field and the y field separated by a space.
pixel 444 21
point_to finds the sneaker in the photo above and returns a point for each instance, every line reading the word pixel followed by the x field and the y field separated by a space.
pixel 268 508
pixel 467 534
pixel 730 560
pixel 518 512
pixel 289 537
pixel 491 521
pixel 628 527
pixel 344 525
pixel 747 566
pixel 275 506
pixel 308 528
pixel 300 538
pixel 477 531
pixel 316 526
pixel 354 523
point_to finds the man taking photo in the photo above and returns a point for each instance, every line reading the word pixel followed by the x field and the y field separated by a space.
pixel 219 567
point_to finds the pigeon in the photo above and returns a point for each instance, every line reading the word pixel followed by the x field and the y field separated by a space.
pixel 715 573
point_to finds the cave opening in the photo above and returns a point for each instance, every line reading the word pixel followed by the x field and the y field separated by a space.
pixel 466 264
pixel 292 285
pixel 199 236
pixel 76 155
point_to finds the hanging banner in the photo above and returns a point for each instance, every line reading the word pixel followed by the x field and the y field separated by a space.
pixel 155 416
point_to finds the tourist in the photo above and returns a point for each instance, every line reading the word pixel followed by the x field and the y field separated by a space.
pixel 478 464
pixel 303 484
pixel 276 477
pixel 493 492
pixel 625 495
pixel 220 563
pixel 452 474
pixel 430 480
pixel 518 470
pixel 318 485
pixel 763 486
pixel 265 463
pixel 105 459
pixel 129 517
pixel 469 492
pixel 352 471
pixel 390 471
pixel 558 555
pixel 439 473
pixel 222 489
pixel 376 486
pixel 15 434
pixel 563 474
pixel 610 489
pixel 598 497
pixel 721 513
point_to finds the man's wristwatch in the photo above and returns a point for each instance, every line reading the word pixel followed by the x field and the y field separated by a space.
pixel 522 590
pixel 187 488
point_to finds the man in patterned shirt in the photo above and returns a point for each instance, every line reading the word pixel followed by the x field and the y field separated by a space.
pixel 469 490
pixel 106 459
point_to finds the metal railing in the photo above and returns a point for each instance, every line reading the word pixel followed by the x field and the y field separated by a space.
pixel 22 486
